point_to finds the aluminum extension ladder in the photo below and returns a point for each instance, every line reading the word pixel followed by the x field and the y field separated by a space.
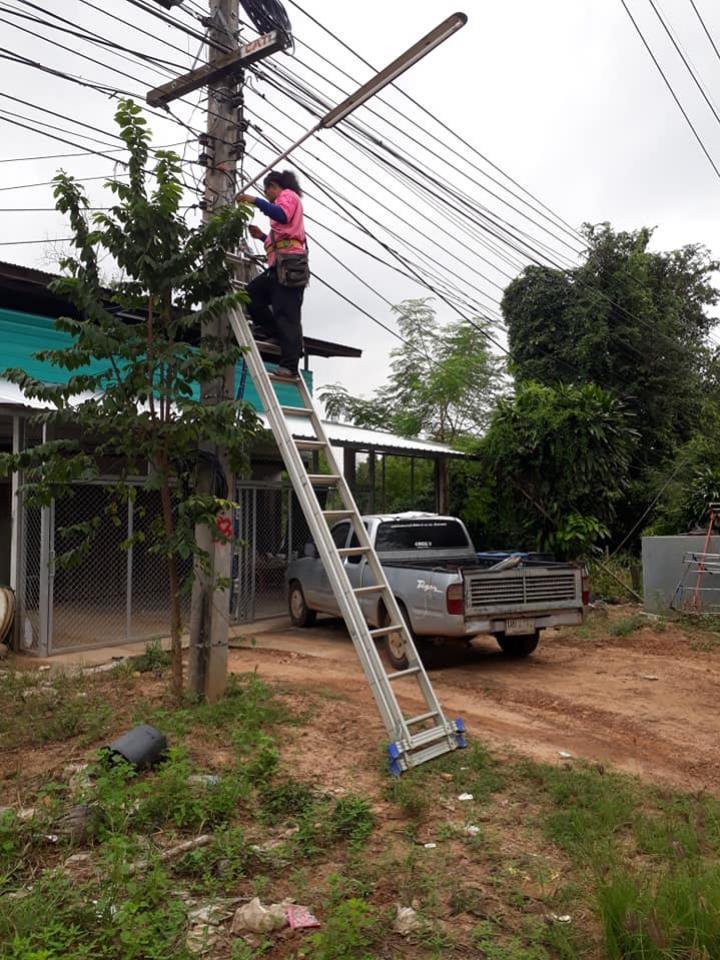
pixel 434 733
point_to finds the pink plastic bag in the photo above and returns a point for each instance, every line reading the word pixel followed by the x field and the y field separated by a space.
pixel 300 918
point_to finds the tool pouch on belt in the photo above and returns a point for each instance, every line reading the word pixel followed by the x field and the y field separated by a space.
pixel 292 269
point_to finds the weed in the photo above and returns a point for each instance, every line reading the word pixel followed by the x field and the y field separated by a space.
pixel 61 920
pixel 350 930
pixel 154 660
pixel 36 708
pixel 351 819
pixel 627 625
pixel 285 799
pixel 410 793
pixel 590 809
pixel 675 915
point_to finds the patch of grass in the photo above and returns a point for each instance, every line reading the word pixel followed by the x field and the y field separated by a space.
pixel 674 916
pixel 605 586
pixel 351 819
pixel 287 798
pixel 37 708
pixel 59 919
pixel 351 928
pixel 154 660
pixel 589 810
pixel 410 793
pixel 627 625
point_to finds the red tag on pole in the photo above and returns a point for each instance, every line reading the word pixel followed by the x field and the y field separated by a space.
pixel 224 525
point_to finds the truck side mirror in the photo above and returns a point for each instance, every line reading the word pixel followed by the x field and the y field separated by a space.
pixel 310 550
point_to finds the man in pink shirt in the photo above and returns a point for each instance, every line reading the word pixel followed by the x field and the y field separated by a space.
pixel 275 309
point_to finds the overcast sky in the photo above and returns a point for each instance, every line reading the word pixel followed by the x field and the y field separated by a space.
pixel 560 94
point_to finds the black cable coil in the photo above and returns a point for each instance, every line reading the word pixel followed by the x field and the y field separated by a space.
pixel 269 15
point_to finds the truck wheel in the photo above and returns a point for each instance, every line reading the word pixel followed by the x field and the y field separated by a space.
pixel 395 643
pixel 517 647
pixel 396 646
pixel 300 614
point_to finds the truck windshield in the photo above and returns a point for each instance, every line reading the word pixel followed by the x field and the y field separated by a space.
pixel 421 535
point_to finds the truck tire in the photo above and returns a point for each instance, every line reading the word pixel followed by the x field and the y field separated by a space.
pixel 394 644
pixel 396 648
pixel 300 614
pixel 518 647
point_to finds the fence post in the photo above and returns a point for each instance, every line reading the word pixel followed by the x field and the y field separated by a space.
pixel 129 568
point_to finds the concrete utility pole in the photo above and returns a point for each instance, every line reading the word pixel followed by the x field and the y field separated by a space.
pixel 207 669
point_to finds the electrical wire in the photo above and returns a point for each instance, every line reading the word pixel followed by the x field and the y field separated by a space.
pixel 669 86
pixel 684 59
pixel 432 116
pixel 704 26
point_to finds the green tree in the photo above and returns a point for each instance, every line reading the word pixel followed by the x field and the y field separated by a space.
pixel 629 319
pixel 137 358
pixel 558 457
pixel 442 384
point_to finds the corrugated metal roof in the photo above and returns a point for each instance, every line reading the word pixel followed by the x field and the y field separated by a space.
pixel 360 438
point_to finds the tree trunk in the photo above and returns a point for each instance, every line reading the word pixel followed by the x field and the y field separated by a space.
pixel 175 614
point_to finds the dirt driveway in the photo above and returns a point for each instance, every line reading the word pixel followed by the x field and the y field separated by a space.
pixel 645 702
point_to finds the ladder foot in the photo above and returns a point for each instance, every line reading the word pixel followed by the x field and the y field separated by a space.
pixel 395 763
pixel 460 733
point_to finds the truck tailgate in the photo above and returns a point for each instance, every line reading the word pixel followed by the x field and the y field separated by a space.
pixel 522 590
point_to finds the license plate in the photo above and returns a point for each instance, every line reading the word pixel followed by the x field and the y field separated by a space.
pixel 517 628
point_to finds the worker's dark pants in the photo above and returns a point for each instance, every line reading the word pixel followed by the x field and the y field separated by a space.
pixel 276 311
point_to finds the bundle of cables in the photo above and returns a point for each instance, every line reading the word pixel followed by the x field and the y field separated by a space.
pixel 269 15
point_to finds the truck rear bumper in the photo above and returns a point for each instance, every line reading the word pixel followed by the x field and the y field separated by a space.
pixel 535 621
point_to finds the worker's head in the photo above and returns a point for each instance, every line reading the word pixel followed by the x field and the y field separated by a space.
pixel 277 181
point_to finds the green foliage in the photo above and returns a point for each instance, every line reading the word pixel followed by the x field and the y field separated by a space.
pixel 284 799
pixel 351 819
pixel 694 480
pixel 626 626
pixel 58 919
pixel 40 708
pixel 630 320
pixel 153 660
pixel 589 809
pixel 138 359
pixel 560 457
pixel 604 579
pixel 634 322
pixel 350 930
pixel 677 916
pixel 441 384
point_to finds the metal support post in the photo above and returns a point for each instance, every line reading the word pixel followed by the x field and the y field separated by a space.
pixel 17 535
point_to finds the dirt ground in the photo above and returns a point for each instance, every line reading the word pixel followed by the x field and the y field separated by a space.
pixel 645 703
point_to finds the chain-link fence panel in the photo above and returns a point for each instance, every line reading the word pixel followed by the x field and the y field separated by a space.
pixel 29 601
pixel 149 595
pixel 90 569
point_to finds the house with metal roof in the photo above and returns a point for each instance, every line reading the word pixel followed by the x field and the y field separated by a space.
pixel 120 595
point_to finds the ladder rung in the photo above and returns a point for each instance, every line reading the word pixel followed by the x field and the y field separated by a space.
pixel 427 736
pixel 384 631
pixel 297 411
pixel 338 514
pixel 352 551
pixel 323 478
pixel 310 444
pixel 376 588
pixel 402 673
pixel 422 717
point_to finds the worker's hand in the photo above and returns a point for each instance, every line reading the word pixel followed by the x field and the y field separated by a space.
pixel 255 232
pixel 244 198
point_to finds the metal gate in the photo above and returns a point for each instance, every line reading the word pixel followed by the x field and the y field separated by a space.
pixel 117 594
pixel 271 530
pixel 113 594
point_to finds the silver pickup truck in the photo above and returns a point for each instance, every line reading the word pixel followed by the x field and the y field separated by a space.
pixel 441 586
